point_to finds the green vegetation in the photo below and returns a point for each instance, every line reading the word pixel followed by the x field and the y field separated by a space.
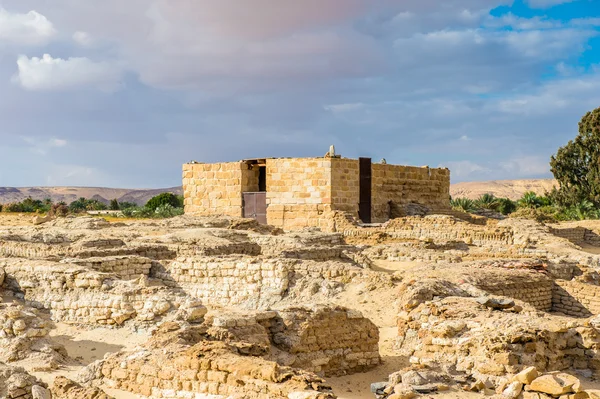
pixel 576 168
pixel 164 205
pixel 171 199
pixel 530 206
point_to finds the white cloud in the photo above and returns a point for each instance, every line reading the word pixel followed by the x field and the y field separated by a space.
pixel 465 138
pixel 25 29
pixel 526 166
pixel 43 146
pixel 337 108
pixel 82 38
pixel 546 3
pixel 48 73
pixel 465 169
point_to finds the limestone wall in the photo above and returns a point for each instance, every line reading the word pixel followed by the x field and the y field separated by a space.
pixel 207 370
pixel 31 250
pixel 574 234
pixel 458 332
pixel 125 267
pixel 214 189
pixel 298 192
pixel 251 282
pixel 408 184
pixel 345 185
pixel 74 294
pixel 576 299
pixel 537 293
pixel 329 341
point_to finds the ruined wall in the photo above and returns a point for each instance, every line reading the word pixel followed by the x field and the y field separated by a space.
pixel 298 192
pixel 332 341
pixel 208 369
pixel 408 184
pixel 537 293
pixel 74 294
pixel 251 282
pixel 458 332
pixel 576 299
pixel 214 189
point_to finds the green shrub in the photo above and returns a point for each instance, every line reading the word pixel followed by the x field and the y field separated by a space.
pixel 124 205
pixel 164 199
pixel 463 204
pixel 167 211
pixel 487 201
pixel 529 200
pixel 114 205
pixel 13 207
pixel 506 206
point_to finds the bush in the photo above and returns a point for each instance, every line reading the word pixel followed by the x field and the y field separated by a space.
pixel 487 201
pixel 13 207
pixel 167 211
pixel 124 205
pixel 506 206
pixel 463 204
pixel 114 205
pixel 529 200
pixel 164 199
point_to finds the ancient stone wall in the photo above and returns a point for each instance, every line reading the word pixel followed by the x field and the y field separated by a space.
pixel 537 293
pixel 251 282
pixel 480 342
pixel 408 184
pixel 329 341
pixel 576 298
pixel 298 192
pixel 214 189
pixel 207 370
pixel 345 185
pixel 574 234
pixel 73 294
pixel 125 267
pixel 34 250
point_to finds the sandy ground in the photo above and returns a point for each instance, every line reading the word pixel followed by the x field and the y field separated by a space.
pixel 86 346
pixel 513 189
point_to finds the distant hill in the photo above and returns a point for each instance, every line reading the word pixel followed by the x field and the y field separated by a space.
pixel 70 194
pixel 513 189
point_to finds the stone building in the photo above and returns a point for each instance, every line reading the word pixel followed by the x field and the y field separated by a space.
pixel 293 193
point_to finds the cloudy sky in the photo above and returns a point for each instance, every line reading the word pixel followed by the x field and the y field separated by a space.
pixel 121 93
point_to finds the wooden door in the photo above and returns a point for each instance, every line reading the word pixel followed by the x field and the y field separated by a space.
pixel 364 206
pixel 255 206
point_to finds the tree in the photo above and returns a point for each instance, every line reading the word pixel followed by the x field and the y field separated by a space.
pixel 487 201
pixel 163 199
pixel 529 200
pixel 114 205
pixel 576 166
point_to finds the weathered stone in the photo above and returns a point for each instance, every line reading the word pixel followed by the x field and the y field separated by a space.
pixel 527 375
pixel 513 390
pixel 552 385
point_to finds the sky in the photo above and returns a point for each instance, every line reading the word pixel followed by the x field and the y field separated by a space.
pixel 121 93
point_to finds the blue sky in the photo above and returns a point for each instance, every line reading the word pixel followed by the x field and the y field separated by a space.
pixel 114 93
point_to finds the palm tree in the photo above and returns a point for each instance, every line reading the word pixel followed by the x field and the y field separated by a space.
pixel 487 201
pixel 463 204
pixel 529 200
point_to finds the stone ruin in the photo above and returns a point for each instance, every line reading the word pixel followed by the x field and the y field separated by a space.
pixel 237 309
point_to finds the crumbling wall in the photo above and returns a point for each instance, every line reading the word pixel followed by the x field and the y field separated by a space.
pixel 125 267
pixel 246 281
pixel 16 383
pixel 408 184
pixel 213 189
pixel 459 332
pixel 575 298
pixel 74 294
pixel 536 292
pixel 331 341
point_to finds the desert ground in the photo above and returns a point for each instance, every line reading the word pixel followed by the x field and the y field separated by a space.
pixel 447 306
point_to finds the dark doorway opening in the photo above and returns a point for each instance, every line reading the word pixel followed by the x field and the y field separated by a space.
pixel 262 178
pixel 364 205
